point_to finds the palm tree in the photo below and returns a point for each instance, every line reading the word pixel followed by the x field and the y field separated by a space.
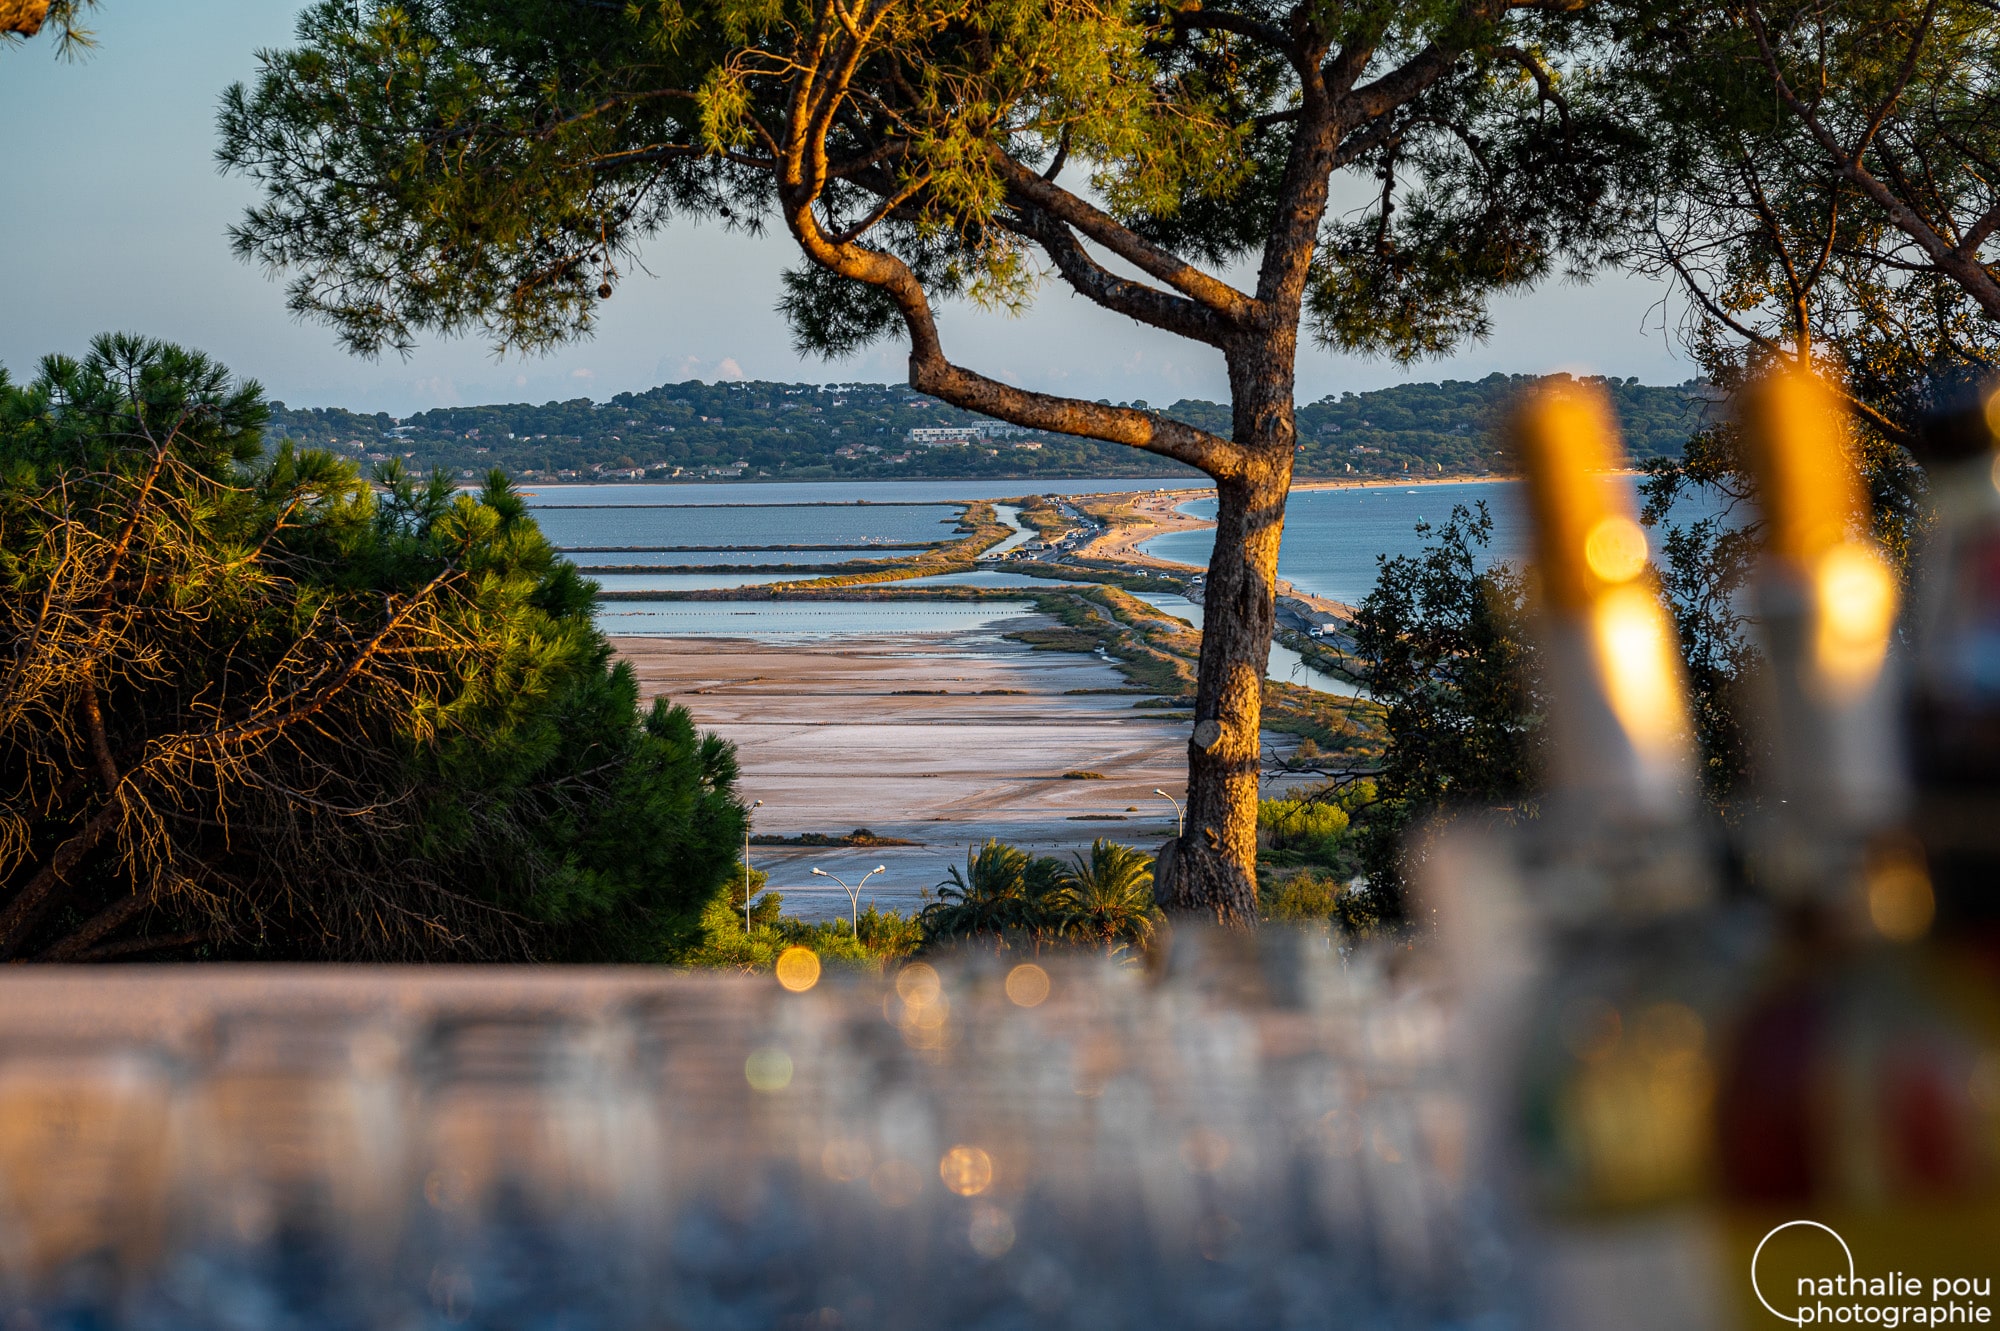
pixel 1002 891
pixel 985 899
pixel 1108 899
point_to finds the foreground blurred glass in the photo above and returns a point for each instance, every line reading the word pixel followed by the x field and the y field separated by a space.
pixel 1273 1138
pixel 84 1127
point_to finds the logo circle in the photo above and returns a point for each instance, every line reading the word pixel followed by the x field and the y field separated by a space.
pixel 1793 1224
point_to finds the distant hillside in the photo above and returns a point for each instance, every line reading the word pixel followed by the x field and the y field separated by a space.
pixel 801 432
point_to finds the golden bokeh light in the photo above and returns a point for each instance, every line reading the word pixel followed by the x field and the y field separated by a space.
pixel 1027 985
pixel 768 1070
pixel 1814 504
pixel 1635 1112
pixel 919 1008
pixel 1901 904
pixel 1855 596
pixel 1616 549
pixel 1640 667
pixel 966 1170
pixel 918 985
pixel 798 969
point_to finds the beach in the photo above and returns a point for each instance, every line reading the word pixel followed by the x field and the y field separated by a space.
pixel 1135 522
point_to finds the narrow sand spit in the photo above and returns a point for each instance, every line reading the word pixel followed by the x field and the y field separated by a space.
pixel 1156 515
pixel 944 739
pixel 1159 514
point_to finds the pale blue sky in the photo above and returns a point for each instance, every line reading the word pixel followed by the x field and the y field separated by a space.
pixel 112 216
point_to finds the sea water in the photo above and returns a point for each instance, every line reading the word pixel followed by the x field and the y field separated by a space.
pixel 727 525
pixel 679 559
pixel 1335 539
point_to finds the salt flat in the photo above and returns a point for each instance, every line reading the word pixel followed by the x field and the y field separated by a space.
pixel 941 738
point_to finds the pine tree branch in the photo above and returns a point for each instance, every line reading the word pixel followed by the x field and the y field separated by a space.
pixel 1226 301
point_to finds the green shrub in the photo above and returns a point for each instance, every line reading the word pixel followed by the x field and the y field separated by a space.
pixel 885 934
pixel 1320 899
pixel 1300 824
pixel 1302 897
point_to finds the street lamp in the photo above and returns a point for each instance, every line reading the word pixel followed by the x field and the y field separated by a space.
pixel 853 895
pixel 1180 819
pixel 746 869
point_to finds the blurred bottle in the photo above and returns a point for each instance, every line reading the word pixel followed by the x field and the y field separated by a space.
pixel 83 1151
pixel 1831 785
pixel 1638 962
pixel 1955 701
pixel 1861 1090
pixel 288 1160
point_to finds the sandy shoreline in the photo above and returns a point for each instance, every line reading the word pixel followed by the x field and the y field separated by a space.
pixel 1157 513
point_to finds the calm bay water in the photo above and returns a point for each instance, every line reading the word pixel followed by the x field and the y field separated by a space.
pixel 671 559
pixel 687 524
pixel 1333 538
pixel 686 582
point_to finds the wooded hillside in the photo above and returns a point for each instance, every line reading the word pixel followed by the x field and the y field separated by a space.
pixel 697 431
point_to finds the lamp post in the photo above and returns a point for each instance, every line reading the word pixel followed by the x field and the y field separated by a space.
pixel 1180 819
pixel 853 895
pixel 746 870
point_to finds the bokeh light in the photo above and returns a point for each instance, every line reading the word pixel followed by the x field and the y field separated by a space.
pixel 1616 549
pixel 896 1183
pixel 1640 667
pixel 1901 904
pixel 798 969
pixel 1855 595
pixel 1027 985
pixel 966 1170
pixel 991 1232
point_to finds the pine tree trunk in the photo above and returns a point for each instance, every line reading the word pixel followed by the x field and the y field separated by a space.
pixel 1210 871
